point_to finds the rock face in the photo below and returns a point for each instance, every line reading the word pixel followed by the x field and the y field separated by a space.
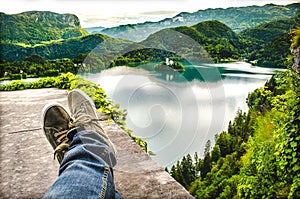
pixel 45 17
pixel 39 26
pixel 296 65
pixel 27 167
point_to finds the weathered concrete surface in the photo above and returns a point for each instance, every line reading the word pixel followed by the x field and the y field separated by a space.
pixel 27 167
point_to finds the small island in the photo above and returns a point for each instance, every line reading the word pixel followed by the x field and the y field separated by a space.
pixel 169 65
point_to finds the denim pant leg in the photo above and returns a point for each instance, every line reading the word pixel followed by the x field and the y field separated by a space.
pixel 85 171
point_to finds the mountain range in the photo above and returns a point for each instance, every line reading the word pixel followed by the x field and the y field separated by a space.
pixel 212 41
pixel 237 18
pixel 247 32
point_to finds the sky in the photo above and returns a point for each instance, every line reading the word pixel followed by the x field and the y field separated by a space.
pixel 109 13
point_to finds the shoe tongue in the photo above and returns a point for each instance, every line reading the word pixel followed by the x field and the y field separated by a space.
pixel 71 133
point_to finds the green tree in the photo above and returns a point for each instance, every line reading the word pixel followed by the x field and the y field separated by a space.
pixel 215 153
pixel 35 59
pixel 206 165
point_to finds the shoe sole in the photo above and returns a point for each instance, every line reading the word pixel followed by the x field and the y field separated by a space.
pixel 45 110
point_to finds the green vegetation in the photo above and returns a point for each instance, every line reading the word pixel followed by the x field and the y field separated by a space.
pixel 273 54
pixel 144 55
pixel 37 66
pixel 296 38
pixel 266 32
pixel 215 41
pixel 36 27
pixel 172 65
pixel 268 44
pixel 216 38
pixel 70 81
pixel 264 45
pixel 69 48
pixel 258 156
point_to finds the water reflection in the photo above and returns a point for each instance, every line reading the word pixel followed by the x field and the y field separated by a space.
pixel 177 112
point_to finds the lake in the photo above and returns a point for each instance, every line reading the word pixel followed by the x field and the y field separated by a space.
pixel 177 112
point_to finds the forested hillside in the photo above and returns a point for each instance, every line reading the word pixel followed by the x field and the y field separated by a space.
pixel 68 48
pixel 268 44
pixel 37 27
pixel 265 45
pixel 237 18
pixel 258 156
pixel 216 38
pixel 60 57
pixel 210 41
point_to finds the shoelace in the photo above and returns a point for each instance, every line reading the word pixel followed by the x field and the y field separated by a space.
pixel 62 138
pixel 85 119
pixel 81 120
pixel 74 124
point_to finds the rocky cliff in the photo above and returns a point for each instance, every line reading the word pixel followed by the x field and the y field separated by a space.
pixel 38 26
pixel 296 65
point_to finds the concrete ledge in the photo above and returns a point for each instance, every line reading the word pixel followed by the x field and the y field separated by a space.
pixel 27 166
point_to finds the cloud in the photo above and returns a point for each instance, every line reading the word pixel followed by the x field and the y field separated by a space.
pixel 159 12
pixel 121 11
pixel 91 20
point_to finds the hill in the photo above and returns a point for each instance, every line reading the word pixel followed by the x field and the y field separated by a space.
pixel 265 45
pixel 94 30
pixel 81 54
pixel 209 41
pixel 238 19
pixel 266 32
pixel 69 48
pixel 220 41
pixel 36 27
pixel 269 43
pixel 204 42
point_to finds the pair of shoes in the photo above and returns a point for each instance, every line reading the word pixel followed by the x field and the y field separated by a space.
pixel 59 127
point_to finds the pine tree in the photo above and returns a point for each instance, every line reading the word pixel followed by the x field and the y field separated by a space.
pixel 206 166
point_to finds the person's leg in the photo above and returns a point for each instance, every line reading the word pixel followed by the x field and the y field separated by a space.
pixel 85 117
pixel 85 171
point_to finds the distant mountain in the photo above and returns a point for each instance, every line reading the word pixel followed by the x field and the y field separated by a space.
pixel 237 18
pixel 36 27
pixel 265 45
pixel 51 36
pixel 204 42
pixel 217 39
pixel 94 30
pixel 69 48
pixel 54 36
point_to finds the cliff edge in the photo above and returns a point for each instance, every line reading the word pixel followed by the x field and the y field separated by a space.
pixel 27 166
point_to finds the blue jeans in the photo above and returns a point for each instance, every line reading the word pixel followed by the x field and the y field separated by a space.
pixel 86 170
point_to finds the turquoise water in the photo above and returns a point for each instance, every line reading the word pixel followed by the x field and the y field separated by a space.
pixel 177 112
